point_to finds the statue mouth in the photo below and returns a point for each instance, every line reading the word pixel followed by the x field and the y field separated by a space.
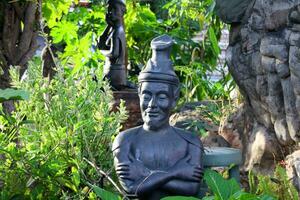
pixel 153 114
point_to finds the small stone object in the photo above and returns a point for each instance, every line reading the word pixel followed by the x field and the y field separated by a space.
pixel 156 160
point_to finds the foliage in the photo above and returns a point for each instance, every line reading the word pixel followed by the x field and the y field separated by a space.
pixel 12 94
pixel 63 124
pixel 228 189
pixel 221 189
pixel 279 186
pixel 46 143
pixel 193 60
pixel 77 32
pixel 105 195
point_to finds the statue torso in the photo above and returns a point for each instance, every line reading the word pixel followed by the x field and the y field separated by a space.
pixel 158 151
pixel 117 34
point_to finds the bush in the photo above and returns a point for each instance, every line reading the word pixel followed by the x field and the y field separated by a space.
pixel 64 124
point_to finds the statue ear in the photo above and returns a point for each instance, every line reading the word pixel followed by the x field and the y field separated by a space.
pixel 176 92
pixel 139 88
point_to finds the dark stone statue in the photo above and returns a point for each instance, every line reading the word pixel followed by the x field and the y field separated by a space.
pixel 157 160
pixel 112 44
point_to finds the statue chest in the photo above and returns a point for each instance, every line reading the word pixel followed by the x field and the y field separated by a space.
pixel 159 152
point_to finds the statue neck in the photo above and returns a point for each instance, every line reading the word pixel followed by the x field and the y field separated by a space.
pixel 117 24
pixel 161 130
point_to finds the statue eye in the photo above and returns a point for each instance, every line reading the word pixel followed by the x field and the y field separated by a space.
pixel 162 96
pixel 146 96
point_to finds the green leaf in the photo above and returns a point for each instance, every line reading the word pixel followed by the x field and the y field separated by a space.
pixel 240 195
pixel 266 197
pixel 66 31
pixel 103 194
pixel 213 40
pixel 179 198
pixel 12 94
pixel 208 198
pixel 221 188
pixel 67 183
pixel 75 176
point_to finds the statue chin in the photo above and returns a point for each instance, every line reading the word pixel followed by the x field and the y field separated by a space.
pixel 154 123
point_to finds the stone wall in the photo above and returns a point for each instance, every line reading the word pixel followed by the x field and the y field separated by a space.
pixel 264 58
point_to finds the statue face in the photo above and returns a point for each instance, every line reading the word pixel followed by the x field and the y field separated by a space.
pixel 114 13
pixel 156 102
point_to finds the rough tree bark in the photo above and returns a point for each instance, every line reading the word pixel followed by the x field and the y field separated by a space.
pixel 264 59
pixel 18 33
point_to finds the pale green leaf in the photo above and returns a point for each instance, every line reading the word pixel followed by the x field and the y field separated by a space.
pixel 103 194
pixel 12 94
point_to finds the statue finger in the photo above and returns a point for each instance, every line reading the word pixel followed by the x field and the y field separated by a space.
pixel 123 173
pixel 125 177
pixel 123 168
pixel 123 165
pixel 197 175
pixel 199 167
pixel 197 178
pixel 200 174
pixel 198 170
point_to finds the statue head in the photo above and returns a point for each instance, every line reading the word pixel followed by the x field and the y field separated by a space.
pixel 158 85
pixel 115 11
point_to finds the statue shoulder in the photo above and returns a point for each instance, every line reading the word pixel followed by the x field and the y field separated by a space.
pixel 124 137
pixel 119 32
pixel 189 137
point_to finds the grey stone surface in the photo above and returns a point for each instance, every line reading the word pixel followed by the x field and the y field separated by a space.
pixel 293 168
pixel 232 10
pixel 274 47
pixel 264 58
pixel 294 39
pixel 282 69
pixel 281 131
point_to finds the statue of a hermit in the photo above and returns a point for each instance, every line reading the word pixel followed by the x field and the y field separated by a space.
pixel 157 160
pixel 112 44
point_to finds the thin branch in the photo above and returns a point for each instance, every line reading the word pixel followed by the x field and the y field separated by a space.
pixel 101 172
pixel 7 33
pixel 28 32
pixel 19 10
pixel 30 52
pixel 43 34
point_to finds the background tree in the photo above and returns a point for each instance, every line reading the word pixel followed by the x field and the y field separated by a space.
pixel 18 36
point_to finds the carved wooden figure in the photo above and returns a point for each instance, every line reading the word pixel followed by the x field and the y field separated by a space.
pixel 112 44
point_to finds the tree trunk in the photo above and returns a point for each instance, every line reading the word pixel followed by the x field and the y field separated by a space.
pixel 264 58
pixel 18 33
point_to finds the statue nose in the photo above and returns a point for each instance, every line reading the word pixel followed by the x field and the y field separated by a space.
pixel 152 103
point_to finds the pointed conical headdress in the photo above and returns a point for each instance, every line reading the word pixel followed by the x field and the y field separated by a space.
pixel 160 67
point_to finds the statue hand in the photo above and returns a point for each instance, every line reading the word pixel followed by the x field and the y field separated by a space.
pixel 184 170
pixel 133 171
